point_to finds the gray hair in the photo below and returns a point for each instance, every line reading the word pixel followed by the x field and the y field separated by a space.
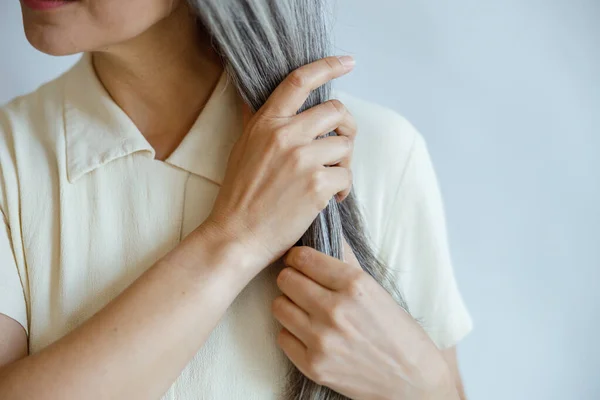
pixel 261 42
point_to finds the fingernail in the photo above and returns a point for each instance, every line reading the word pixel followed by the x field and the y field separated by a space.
pixel 347 61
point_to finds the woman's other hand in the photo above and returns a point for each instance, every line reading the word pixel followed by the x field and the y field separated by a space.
pixel 279 177
pixel 343 330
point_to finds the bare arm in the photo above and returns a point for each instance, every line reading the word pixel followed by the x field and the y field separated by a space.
pixel 137 345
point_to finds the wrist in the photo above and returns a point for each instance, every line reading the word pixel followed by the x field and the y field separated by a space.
pixel 442 384
pixel 207 250
pixel 428 380
pixel 228 249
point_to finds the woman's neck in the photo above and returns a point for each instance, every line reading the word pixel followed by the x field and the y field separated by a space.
pixel 162 78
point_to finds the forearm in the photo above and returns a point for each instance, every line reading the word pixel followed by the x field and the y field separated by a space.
pixel 138 344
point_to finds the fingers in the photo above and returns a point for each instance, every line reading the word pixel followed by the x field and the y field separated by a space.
pixel 325 270
pixel 329 116
pixel 292 317
pixel 322 119
pixel 347 128
pixel 323 182
pixel 290 95
pixel 303 291
pixel 331 150
pixel 292 347
pixel 339 181
pixel 326 182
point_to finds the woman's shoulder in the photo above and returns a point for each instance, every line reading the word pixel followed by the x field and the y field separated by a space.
pixel 29 108
pixel 384 144
pixel 34 114
pixel 384 138
pixel 30 125
pixel 29 135
pixel 378 122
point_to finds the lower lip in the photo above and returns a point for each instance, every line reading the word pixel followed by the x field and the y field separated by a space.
pixel 45 4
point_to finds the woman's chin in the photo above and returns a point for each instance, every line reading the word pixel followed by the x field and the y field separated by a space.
pixel 54 45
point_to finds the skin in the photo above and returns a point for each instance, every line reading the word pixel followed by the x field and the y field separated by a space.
pixel 161 70
pixel 325 306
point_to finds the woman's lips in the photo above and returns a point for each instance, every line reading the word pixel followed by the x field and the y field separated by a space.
pixel 45 4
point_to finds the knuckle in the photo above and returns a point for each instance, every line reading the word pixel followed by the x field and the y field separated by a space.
pixel 301 255
pixel 321 343
pixel 333 63
pixel 278 305
pixel 281 132
pixel 317 182
pixel 320 202
pixel 297 79
pixel 316 367
pixel 337 106
pixel 348 142
pixel 336 313
pixel 314 361
pixel 318 189
pixel 356 286
pixel 298 159
pixel 280 138
pixel 284 275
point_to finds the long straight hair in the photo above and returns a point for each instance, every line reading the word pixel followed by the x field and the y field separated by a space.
pixel 261 42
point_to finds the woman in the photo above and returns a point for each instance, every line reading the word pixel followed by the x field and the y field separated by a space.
pixel 152 199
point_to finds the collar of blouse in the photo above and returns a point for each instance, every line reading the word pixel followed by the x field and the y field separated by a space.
pixel 98 131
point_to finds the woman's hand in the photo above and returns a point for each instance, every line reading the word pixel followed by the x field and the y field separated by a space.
pixel 278 177
pixel 344 331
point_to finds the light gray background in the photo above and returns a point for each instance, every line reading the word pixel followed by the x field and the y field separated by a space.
pixel 507 95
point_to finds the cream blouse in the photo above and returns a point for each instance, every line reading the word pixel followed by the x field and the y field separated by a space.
pixel 86 209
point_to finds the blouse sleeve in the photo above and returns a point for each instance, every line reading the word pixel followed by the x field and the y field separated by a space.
pixel 12 298
pixel 415 248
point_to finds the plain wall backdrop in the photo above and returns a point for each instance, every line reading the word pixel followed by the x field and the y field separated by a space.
pixel 507 95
